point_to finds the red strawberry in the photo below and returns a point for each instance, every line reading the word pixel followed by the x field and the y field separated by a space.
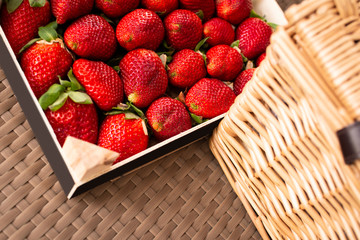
pixel 241 80
pixel 233 11
pixel 144 76
pixel 101 82
pixel 126 136
pixel 162 7
pixel 116 8
pixel 260 59
pixel 186 68
pixel 64 10
pixel 167 117
pixel 254 36
pixel 224 62
pixel 219 32
pixel 70 111
pixel 183 29
pixel 74 119
pixel 21 25
pixel 43 62
pixel 91 37
pixel 141 28
pixel 206 6
pixel 209 98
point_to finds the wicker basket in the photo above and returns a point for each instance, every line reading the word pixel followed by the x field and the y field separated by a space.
pixel 277 144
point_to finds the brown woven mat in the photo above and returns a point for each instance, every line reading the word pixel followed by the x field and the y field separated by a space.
pixel 183 196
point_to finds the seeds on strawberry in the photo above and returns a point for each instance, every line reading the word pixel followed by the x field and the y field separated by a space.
pixel 233 11
pixel 219 32
pixel 43 62
pixel 21 25
pixel 183 29
pixel 141 28
pixel 241 80
pixel 116 8
pixel 64 10
pixel 206 6
pixel 209 98
pixel 224 62
pixel 254 36
pixel 91 37
pixel 167 117
pixel 125 136
pixel 144 77
pixel 161 7
pixel 186 68
pixel 100 81
pixel 74 119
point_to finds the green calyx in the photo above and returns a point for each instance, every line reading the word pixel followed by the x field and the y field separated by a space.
pixel 57 94
pixel 129 109
pixel 253 14
pixel 12 5
pixel 47 33
pixel 235 45
pixel 200 14
pixel 197 119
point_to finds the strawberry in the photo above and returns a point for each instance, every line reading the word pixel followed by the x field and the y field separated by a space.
pixel 254 36
pixel 260 59
pixel 233 11
pixel 100 81
pixel 141 28
pixel 241 80
pixel 144 76
pixel 224 62
pixel 64 10
pixel 161 7
pixel 206 6
pixel 20 25
pixel 91 37
pixel 116 8
pixel 219 32
pixel 167 117
pixel 186 68
pixel 124 134
pixel 183 29
pixel 70 112
pixel 209 98
pixel 45 60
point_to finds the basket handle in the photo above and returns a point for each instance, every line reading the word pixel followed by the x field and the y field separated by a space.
pixel 347 8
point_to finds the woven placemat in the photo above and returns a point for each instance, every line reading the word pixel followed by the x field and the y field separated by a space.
pixel 182 196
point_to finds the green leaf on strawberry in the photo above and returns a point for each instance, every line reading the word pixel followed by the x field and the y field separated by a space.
pixel 253 14
pixel 12 5
pixel 55 97
pixel 75 85
pixel 31 42
pixel 37 3
pixel 47 33
pixel 235 45
pixel 201 44
pixel 200 14
pixel 51 95
pixel 80 97
pixel 59 102
pixel 197 119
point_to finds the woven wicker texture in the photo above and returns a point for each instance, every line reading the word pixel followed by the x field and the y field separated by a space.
pixel 277 145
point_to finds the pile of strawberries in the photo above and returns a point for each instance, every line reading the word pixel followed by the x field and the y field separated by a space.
pixel 109 71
